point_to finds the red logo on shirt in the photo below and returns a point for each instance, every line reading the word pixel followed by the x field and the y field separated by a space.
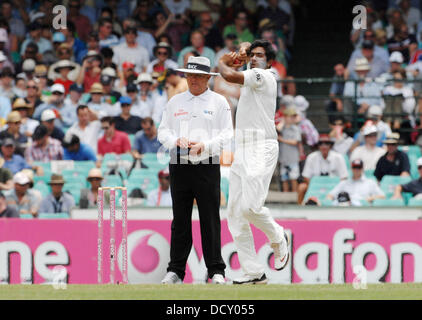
pixel 180 112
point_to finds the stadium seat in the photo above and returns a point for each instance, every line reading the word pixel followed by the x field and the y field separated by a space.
pixel 324 179
pixel 414 202
pixel 149 156
pixel 326 203
pixel 320 186
pixel 389 182
pixel 44 178
pixel 388 203
pixel 42 187
pixel 131 139
pixel 224 186
pixel 369 174
pixel 112 180
pixel 26 216
pixel 411 150
pixel 60 215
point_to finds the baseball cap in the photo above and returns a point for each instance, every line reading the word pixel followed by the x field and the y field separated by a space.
pixel 21 178
pixel 39 132
pixel 131 87
pixel 28 65
pixel 396 56
pixel 419 162
pixel 57 88
pixel 163 173
pixel 70 140
pixel 368 44
pixel 8 142
pixel 125 100
pixel 105 79
pixel 291 111
pixel 59 37
pixel 343 198
pixel 375 111
pixel 357 163
pixel 369 130
pixel 48 115
pixel 109 72
pixel 128 65
pixel 76 87
pixel 324 138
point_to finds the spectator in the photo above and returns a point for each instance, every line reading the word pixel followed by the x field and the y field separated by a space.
pixel 376 64
pixel 11 161
pixel 98 105
pixel 71 102
pixel 213 38
pixel 107 54
pixel 82 23
pixel 64 55
pixel 77 46
pixel 57 201
pixel 143 14
pixel 17 26
pixel 43 44
pixel 403 41
pixel 22 198
pixel 64 67
pixel 89 196
pixel 44 148
pixel 113 141
pixel 131 51
pixel 163 53
pixel 396 61
pixel 90 72
pixel 7 86
pixel 75 150
pixel 175 83
pixel 323 162
pixel 146 141
pixel 399 98
pixel 278 16
pixel 33 93
pixel 197 40
pixel 48 118
pixel 6 177
pixel 126 122
pixel 411 15
pixel 109 14
pixel 310 134
pixel 108 80
pixel 358 187
pixel 105 33
pixel 381 52
pixel 145 99
pixel 289 138
pixel 128 74
pixel 393 162
pixel 161 197
pixel 230 45
pixel 342 142
pixel 13 122
pixel 87 128
pixel 414 186
pixel 4 61
pixel 239 28
pixel 28 124
pixel 369 153
pixel 5 210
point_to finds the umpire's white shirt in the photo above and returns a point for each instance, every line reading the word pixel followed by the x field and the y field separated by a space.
pixel 204 118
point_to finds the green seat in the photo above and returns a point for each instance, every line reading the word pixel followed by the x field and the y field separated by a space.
pixel 60 215
pixel 389 183
pixel 149 156
pixel 45 165
pixel 369 174
pixel 126 156
pixel 224 186
pixel 112 180
pixel 406 197
pixel 326 203
pixel 411 150
pixel 389 203
pixel 320 186
pixel 26 216
pixel 131 139
pixel 44 178
pixel 43 188
pixel 414 202
pixel 414 172
pixel 324 179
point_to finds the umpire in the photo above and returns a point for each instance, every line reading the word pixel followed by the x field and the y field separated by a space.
pixel 195 126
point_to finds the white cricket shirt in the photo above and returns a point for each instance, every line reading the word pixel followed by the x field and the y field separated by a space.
pixel 204 118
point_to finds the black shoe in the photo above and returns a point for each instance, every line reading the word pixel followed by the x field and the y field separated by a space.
pixel 250 280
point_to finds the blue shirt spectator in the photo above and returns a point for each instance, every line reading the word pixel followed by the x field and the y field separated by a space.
pixel 74 150
pixel 146 140
pixel 16 164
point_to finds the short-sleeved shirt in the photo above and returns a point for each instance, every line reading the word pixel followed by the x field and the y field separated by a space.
pixel 130 126
pixel 85 153
pixel 53 151
pixel 30 201
pixel 385 167
pixel 369 156
pixel 16 164
pixel 88 135
pixel 52 205
pixel 9 212
pixel 333 165
pixel 159 198
pixel 415 187
pixel 5 175
pixel 289 154
pixel 119 144
pixel 143 144
pixel 257 102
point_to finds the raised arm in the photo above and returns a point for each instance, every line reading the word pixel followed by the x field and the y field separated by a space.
pixel 226 66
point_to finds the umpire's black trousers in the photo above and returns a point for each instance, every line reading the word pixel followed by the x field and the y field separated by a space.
pixel 200 182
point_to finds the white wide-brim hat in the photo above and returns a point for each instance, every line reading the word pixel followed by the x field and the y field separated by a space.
pixel 198 65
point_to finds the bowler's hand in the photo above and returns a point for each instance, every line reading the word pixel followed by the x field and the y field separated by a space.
pixel 182 143
pixel 196 148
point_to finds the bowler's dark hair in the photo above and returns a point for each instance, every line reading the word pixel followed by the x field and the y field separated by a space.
pixel 269 51
pixel 81 107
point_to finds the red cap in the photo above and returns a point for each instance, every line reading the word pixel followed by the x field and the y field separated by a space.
pixel 128 65
pixel 163 173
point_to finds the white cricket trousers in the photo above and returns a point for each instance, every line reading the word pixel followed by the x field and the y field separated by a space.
pixel 248 189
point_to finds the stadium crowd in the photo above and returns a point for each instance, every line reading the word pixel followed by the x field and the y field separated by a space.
pixel 80 105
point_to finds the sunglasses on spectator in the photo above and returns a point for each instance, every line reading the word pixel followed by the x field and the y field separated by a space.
pixel 326 143
pixel 162 53
pixel 57 93
pixel 31 87
pixel 94 179
pixel 105 128
pixel 130 31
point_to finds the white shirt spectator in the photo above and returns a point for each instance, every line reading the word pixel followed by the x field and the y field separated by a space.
pixel 89 135
pixel 409 102
pixel 159 198
pixel 178 7
pixel 369 156
pixel 334 165
pixel 142 109
pixel 138 56
pixel 104 109
pixel 357 189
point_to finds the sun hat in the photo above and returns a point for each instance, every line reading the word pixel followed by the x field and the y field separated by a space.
pixel 13 116
pixel 28 65
pixel 56 179
pixel 396 56
pixel 96 88
pixel 48 115
pixel 357 163
pixel 392 138
pixel 362 64
pixel 58 87
pixel 144 77
pixel 20 103
pixel 198 65
pixel 290 111
pixel 95 173
pixel 63 64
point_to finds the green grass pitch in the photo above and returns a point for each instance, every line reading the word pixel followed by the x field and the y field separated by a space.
pixel 406 291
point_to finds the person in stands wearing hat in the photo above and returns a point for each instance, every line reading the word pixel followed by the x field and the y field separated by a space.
pixel 161 197
pixel 146 100
pixel 113 141
pixel 98 105
pixel 394 162
pixel 195 168
pixel 358 187
pixel 13 122
pixel 33 93
pixel 22 197
pixel 289 138
pixel 323 162
pixel 108 80
pixel 63 68
pixel 44 148
pixel 35 36
pixel 127 74
pixel 64 52
pixel 105 33
pixel 6 176
pixel 28 124
pixel 90 72
pixel 89 196
pixel 57 201
pixel 396 62
pixel 13 162
pixel 414 186
pixel 87 128
pixel 369 153
pixel 5 210
pixel 48 118
pixel 130 50
pixel 146 140
pixel 77 151
pixel 127 122
pixel 342 141
pixel 163 53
